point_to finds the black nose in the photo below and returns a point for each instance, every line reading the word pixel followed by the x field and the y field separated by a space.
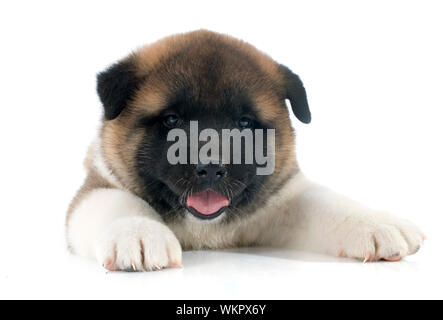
pixel 209 173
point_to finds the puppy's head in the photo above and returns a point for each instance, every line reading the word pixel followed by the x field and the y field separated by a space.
pixel 189 83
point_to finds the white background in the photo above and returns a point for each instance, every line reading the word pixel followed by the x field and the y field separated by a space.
pixel 374 75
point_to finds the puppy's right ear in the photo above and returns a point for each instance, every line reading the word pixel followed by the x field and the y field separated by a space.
pixel 115 87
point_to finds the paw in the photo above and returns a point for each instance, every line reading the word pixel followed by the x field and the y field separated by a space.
pixel 380 237
pixel 138 244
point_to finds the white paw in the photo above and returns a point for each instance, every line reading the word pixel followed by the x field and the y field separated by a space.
pixel 138 244
pixel 379 237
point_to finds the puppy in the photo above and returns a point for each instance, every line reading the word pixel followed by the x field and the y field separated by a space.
pixel 137 211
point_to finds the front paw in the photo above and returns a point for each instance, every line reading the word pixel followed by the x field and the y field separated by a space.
pixel 138 244
pixel 380 237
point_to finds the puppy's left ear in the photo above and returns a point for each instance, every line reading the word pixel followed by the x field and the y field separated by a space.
pixel 115 87
pixel 296 94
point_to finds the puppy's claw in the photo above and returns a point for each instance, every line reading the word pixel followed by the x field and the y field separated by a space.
pixel 367 258
pixel 342 254
pixel 393 258
pixel 109 265
pixel 175 264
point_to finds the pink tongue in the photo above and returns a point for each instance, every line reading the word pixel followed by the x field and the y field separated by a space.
pixel 207 202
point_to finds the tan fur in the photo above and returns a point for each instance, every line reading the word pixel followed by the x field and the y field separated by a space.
pixel 150 55
pixel 93 181
pixel 184 52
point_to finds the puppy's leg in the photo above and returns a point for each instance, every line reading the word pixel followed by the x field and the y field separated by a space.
pixel 330 223
pixel 122 232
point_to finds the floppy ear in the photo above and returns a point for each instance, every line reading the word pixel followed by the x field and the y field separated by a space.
pixel 296 94
pixel 115 86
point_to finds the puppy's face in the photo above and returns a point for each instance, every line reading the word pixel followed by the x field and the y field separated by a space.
pixel 190 83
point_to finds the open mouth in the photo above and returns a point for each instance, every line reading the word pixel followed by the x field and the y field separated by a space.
pixel 207 204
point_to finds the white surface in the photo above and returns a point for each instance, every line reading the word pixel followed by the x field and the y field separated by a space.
pixel 374 79
pixel 234 274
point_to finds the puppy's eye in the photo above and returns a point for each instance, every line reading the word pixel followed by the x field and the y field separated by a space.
pixel 171 121
pixel 245 122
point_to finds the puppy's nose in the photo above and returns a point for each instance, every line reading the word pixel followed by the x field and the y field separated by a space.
pixel 210 173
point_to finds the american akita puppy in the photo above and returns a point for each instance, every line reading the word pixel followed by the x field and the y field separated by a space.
pixel 137 210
